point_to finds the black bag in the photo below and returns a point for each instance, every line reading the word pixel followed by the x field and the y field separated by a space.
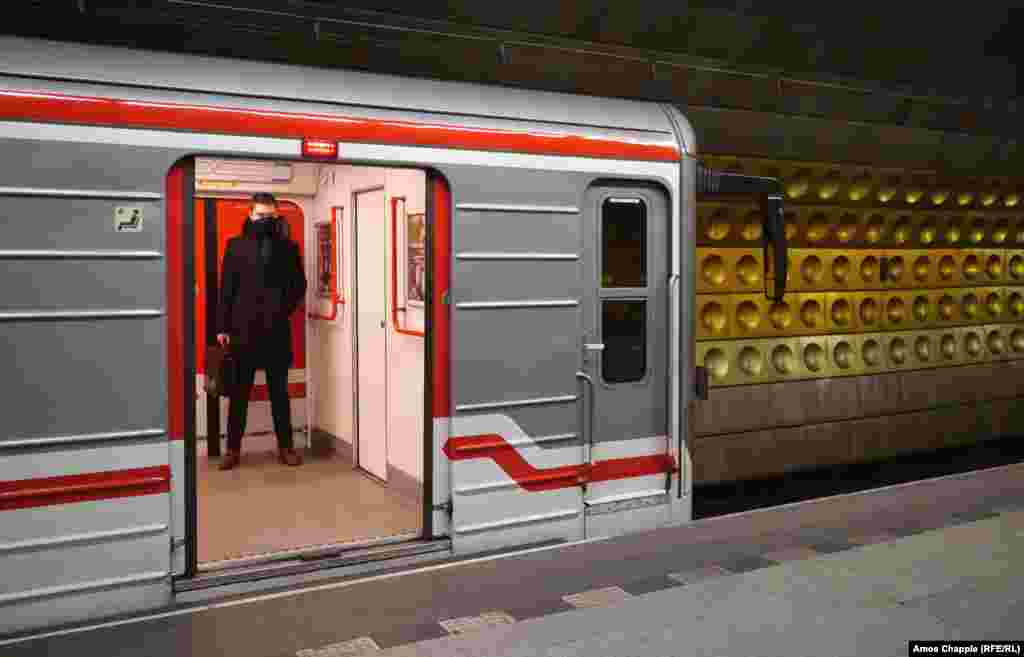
pixel 221 371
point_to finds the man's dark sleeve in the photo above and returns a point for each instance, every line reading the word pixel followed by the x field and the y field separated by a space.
pixel 228 289
pixel 297 282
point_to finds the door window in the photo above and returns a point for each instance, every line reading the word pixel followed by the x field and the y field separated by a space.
pixel 624 328
pixel 624 243
pixel 624 289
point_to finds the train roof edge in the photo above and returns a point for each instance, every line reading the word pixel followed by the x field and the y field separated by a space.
pixel 31 57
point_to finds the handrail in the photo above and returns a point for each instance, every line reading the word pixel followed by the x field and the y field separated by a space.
pixel 586 468
pixel 394 271
pixel 335 302
pixel 335 295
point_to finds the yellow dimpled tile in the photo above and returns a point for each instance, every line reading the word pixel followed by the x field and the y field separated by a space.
pixel 997 341
pixel 719 359
pixel 815 359
pixel 845 353
pixel 1014 303
pixel 972 344
pixel 1014 267
pixel 947 267
pixel 714 314
pixel 1015 340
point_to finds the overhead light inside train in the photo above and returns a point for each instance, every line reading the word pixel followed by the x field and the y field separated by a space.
pixel 319 148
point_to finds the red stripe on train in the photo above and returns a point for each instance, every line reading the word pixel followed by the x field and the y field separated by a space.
pixel 262 393
pixel 34 106
pixel 533 479
pixel 48 491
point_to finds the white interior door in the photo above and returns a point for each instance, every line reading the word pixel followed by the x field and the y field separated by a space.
pixel 371 332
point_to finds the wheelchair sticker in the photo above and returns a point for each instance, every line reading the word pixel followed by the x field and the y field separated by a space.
pixel 127 219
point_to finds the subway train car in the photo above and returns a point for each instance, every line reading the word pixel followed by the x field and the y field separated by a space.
pixel 496 349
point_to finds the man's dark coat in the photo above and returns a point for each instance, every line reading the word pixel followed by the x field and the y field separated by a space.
pixel 259 294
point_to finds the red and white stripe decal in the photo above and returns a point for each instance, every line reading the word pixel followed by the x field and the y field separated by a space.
pixel 84 110
pixel 48 491
pixel 508 458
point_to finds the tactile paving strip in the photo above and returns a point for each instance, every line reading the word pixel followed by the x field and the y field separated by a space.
pixel 691 576
pixel 475 623
pixel 606 597
pixel 358 646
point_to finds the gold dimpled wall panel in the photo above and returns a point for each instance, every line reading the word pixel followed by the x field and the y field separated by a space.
pixel 1015 341
pixel 889 270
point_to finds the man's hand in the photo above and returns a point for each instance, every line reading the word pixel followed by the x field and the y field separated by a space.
pixel 223 339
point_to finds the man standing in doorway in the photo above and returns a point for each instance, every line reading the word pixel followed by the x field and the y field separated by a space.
pixel 262 285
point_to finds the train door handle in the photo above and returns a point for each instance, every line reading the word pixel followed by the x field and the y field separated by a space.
pixel 593 346
pixel 589 433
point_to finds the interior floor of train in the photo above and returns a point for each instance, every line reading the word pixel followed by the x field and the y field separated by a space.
pixel 262 508
pixel 854 574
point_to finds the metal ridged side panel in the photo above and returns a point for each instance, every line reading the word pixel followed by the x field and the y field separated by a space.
pixel 515 307
pixel 84 473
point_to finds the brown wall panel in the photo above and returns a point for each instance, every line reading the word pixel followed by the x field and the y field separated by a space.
pixel 881 394
pixel 791 403
pixel 769 452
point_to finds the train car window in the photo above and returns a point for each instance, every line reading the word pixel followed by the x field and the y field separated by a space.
pixel 624 329
pixel 624 243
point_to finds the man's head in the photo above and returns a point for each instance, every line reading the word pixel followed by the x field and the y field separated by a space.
pixel 264 206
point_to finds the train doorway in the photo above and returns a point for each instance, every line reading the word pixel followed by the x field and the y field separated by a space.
pixel 356 383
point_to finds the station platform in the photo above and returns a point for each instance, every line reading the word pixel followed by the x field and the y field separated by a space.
pixel 855 574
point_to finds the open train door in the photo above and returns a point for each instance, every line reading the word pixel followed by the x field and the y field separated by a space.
pixel 516 446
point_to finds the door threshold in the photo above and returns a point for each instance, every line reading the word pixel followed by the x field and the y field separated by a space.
pixel 308 562
pixel 263 559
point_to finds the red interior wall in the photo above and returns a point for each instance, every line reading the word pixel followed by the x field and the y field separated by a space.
pixel 231 214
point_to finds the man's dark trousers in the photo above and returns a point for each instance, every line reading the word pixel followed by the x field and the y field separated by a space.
pixel 280 406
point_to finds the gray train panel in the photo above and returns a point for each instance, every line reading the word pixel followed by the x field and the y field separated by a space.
pixel 550 425
pixel 40 222
pixel 140 549
pixel 83 376
pixel 55 283
pixel 511 355
pixel 67 561
pixel 504 229
pixel 515 276
pixel 515 348
pixel 82 166
pixel 83 329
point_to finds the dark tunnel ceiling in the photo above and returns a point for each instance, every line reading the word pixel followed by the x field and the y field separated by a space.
pixel 924 50
pixel 905 38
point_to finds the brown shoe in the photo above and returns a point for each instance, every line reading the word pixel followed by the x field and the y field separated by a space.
pixel 230 460
pixel 289 456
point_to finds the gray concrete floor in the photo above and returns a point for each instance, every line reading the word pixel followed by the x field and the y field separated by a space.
pixel 962 582
pixel 859 574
